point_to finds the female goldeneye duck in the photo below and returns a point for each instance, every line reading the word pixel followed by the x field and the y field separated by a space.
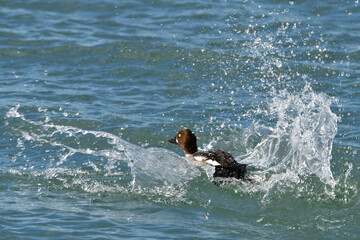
pixel 225 165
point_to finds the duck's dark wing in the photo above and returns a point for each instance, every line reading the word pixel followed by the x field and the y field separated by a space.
pixel 228 166
pixel 237 172
pixel 224 163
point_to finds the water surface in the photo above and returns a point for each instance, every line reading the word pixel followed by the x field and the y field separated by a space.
pixel 91 91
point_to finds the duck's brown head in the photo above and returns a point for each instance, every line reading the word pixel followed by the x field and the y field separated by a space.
pixel 186 140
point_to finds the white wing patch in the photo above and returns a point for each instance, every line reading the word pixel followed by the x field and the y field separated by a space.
pixel 207 160
pixel 200 158
pixel 212 162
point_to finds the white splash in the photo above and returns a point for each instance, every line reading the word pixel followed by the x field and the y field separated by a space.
pixel 13 112
pixel 300 143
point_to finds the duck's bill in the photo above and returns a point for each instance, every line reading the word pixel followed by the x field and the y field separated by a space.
pixel 173 140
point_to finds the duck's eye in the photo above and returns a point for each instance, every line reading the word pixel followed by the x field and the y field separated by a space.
pixel 179 135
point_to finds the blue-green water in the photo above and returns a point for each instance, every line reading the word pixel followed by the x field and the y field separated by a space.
pixel 91 91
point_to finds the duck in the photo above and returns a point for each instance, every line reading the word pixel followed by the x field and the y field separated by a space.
pixel 223 162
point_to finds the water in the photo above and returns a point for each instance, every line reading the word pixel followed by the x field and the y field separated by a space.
pixel 91 91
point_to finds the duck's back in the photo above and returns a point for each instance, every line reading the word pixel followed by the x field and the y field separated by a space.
pixel 225 159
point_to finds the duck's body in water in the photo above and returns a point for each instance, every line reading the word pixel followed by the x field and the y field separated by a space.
pixel 224 163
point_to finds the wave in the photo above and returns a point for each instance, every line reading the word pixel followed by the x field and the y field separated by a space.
pixel 77 156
